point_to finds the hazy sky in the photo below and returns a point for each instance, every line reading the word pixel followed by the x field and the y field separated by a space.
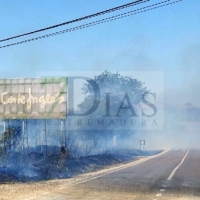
pixel 165 39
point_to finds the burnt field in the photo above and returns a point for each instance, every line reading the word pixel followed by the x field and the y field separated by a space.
pixel 37 166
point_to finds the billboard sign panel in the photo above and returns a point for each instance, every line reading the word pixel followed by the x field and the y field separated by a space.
pixel 33 98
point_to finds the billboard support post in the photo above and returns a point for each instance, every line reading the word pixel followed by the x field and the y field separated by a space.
pixel 23 136
pixel 43 137
pixel 4 125
pixel 26 131
pixel 64 127
pixel 4 129
pixel 61 131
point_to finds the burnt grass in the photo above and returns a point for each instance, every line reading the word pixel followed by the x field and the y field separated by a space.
pixel 37 167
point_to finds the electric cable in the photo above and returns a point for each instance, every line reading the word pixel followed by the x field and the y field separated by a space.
pixel 108 19
pixel 79 19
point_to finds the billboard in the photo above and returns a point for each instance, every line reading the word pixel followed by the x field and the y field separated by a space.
pixel 33 98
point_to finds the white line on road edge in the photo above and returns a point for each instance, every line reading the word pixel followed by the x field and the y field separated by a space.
pixel 174 170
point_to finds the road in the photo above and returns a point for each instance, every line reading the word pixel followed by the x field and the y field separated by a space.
pixel 172 175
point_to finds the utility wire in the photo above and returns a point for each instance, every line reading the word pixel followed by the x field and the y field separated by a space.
pixel 80 19
pixel 123 15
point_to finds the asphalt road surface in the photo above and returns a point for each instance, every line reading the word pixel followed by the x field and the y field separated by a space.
pixel 172 175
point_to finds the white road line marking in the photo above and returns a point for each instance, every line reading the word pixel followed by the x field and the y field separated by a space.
pixel 174 170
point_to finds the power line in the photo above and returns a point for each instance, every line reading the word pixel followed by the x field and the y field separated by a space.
pixel 80 19
pixel 116 17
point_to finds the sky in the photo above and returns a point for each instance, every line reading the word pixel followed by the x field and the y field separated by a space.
pixel 165 39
